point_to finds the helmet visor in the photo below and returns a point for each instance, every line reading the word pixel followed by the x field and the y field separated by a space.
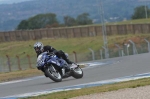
pixel 37 49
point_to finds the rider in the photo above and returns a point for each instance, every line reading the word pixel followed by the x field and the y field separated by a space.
pixel 39 48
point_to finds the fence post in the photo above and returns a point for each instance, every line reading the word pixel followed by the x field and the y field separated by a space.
pixel 8 63
pixel 122 53
pixel 101 54
pixel 93 55
pixel 127 48
pixel 29 61
pixel 148 45
pixel 18 59
pixel 106 52
pixel 134 47
pixel 75 56
pixel 119 49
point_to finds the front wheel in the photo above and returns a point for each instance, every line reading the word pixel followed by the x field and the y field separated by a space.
pixel 53 74
pixel 77 73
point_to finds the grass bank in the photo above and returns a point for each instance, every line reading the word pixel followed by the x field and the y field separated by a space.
pixel 80 45
pixel 4 77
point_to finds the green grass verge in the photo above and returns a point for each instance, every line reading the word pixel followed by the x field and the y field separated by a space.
pixel 135 21
pixel 97 89
pixel 80 45
pixel 19 75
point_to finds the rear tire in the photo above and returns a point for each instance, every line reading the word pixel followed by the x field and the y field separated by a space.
pixel 53 74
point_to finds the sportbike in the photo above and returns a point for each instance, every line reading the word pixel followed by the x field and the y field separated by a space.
pixel 57 68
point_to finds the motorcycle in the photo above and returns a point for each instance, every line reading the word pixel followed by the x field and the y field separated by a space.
pixel 57 68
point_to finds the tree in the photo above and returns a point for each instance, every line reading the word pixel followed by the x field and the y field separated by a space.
pixel 38 21
pixel 83 19
pixel 139 12
pixel 69 21
pixel 23 25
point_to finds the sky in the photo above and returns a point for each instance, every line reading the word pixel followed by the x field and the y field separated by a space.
pixel 11 1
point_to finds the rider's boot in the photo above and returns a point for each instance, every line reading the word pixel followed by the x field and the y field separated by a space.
pixel 68 61
pixel 67 68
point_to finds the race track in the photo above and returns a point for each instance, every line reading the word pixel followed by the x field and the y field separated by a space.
pixel 113 68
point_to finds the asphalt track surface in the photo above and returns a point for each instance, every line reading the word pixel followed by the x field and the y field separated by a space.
pixel 114 68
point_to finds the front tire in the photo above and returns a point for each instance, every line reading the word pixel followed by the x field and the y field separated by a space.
pixel 53 74
pixel 77 73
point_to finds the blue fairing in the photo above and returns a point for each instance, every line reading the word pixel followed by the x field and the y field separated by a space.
pixel 51 59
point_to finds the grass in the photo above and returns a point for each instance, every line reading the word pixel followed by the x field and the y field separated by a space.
pixel 135 21
pixel 80 45
pixel 93 90
pixel 19 75
pixel 68 45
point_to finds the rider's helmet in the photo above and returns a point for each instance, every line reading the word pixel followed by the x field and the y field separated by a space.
pixel 38 46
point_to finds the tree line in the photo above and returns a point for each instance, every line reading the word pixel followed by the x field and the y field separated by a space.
pixel 141 12
pixel 50 20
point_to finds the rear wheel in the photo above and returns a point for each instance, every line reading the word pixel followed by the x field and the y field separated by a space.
pixel 53 74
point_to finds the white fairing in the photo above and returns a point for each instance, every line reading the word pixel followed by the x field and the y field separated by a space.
pixel 40 61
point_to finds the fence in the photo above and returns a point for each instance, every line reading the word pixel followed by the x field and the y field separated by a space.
pixel 73 32
pixel 9 64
